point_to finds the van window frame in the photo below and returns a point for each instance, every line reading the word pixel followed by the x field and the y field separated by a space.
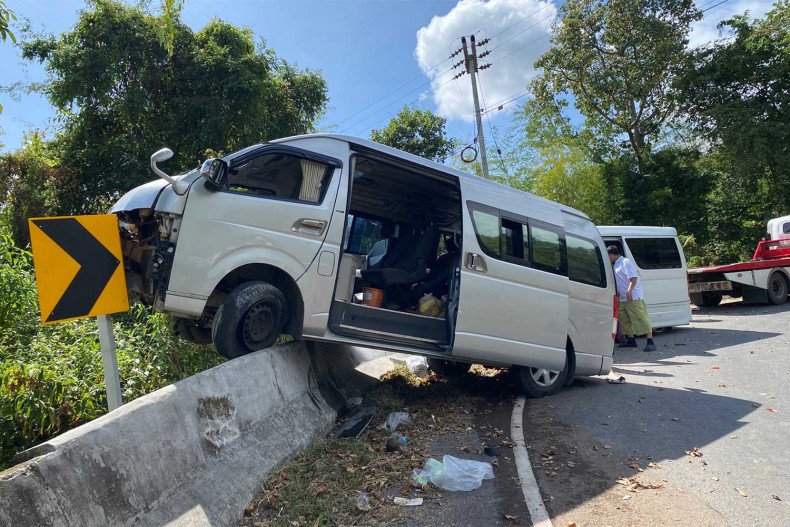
pixel 332 165
pixel 527 222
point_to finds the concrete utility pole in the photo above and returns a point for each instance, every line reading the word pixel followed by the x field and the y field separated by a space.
pixel 470 61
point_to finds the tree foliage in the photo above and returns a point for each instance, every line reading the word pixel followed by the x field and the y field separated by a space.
pixel 736 95
pixel 615 61
pixel 121 96
pixel 419 132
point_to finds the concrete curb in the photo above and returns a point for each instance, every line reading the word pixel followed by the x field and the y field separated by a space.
pixel 192 453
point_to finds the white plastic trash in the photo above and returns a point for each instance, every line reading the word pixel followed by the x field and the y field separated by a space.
pixel 453 473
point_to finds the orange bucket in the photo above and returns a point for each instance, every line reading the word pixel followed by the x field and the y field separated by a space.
pixel 372 297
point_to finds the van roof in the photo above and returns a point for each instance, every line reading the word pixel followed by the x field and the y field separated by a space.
pixel 636 230
pixel 394 152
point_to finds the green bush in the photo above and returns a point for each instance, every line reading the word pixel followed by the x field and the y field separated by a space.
pixel 51 377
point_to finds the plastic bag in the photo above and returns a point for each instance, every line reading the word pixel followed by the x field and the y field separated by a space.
pixel 453 473
pixel 395 419
pixel 417 365
pixel 430 306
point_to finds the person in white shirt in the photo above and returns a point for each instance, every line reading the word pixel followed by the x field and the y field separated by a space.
pixel 633 318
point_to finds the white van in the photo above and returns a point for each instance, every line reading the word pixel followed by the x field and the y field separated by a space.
pixel 661 264
pixel 283 237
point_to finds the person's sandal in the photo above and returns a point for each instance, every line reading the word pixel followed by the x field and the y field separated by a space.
pixel 628 344
pixel 650 347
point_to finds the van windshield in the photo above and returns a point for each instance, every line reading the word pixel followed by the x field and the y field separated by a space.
pixel 655 253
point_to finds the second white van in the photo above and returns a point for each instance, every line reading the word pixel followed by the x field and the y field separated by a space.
pixel 661 264
pixel 337 239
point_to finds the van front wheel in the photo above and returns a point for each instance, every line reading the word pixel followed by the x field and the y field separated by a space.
pixel 540 382
pixel 250 319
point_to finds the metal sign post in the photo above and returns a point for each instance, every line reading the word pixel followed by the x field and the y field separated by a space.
pixel 79 274
pixel 109 361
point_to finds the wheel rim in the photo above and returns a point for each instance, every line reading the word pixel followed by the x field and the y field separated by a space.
pixel 544 377
pixel 258 325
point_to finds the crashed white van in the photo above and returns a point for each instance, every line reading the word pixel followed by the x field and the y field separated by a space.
pixel 283 237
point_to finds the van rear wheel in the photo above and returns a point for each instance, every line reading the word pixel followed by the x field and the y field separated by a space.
pixel 250 319
pixel 540 382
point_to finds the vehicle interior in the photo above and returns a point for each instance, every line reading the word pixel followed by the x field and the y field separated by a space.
pixel 398 276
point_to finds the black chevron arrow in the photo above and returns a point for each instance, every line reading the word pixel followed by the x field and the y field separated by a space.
pixel 97 266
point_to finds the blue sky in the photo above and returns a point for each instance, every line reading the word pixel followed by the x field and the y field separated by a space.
pixel 365 49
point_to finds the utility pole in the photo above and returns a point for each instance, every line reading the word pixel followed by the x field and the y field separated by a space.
pixel 470 61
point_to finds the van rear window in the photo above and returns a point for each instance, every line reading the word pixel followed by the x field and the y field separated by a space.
pixel 655 253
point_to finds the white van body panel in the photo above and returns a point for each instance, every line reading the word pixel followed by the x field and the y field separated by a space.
pixel 532 329
pixel 245 229
pixel 666 290
pixel 591 307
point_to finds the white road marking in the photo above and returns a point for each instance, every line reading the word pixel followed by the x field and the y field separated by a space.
pixel 529 487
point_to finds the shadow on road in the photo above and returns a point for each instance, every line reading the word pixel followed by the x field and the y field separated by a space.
pixel 610 431
pixel 689 341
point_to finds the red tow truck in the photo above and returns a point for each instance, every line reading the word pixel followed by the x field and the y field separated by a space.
pixel 763 279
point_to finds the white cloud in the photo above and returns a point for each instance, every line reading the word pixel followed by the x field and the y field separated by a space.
pixel 706 30
pixel 515 50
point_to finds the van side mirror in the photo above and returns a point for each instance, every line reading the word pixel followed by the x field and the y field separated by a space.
pixel 215 172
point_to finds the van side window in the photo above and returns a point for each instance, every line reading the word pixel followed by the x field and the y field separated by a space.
pixel 515 240
pixel 487 229
pixel 786 228
pixel 655 253
pixel 585 263
pixel 547 250
pixel 280 176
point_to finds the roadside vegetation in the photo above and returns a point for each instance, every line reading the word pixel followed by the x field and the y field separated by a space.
pixel 626 122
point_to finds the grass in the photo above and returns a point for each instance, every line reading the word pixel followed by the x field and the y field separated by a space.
pixel 321 485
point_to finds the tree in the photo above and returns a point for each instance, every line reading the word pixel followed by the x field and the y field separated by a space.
pixel 615 61
pixel 6 17
pixel 418 132
pixel 736 95
pixel 121 96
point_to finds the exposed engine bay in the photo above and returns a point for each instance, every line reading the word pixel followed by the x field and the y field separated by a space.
pixel 148 240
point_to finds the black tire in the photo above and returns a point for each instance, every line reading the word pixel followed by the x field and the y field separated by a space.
pixel 447 368
pixel 538 382
pixel 660 331
pixel 706 299
pixel 250 319
pixel 777 289
pixel 189 330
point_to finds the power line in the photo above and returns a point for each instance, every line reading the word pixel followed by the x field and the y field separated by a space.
pixel 522 47
pixel 523 19
pixel 506 101
pixel 491 129
pixel 523 30
pixel 715 5
pixel 393 91
pixel 385 107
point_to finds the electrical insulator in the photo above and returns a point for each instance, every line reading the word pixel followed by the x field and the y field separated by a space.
pixel 485 66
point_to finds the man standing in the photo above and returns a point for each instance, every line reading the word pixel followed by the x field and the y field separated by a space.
pixel 634 319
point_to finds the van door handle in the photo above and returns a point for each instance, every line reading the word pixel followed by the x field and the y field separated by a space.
pixel 309 226
pixel 475 262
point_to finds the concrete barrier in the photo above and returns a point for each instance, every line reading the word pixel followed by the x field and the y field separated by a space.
pixel 193 453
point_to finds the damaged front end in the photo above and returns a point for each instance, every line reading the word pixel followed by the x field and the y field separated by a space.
pixel 149 218
pixel 148 242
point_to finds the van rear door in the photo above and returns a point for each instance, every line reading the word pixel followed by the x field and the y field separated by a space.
pixel 662 268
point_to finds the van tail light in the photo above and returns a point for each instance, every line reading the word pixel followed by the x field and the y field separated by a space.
pixel 615 312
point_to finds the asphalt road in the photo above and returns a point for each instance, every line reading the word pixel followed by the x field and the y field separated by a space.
pixel 721 386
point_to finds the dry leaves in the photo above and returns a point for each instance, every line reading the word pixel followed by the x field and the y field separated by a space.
pixel 742 492
pixel 512 519
pixel 653 465
pixel 694 453
pixel 633 485
pixel 777 498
